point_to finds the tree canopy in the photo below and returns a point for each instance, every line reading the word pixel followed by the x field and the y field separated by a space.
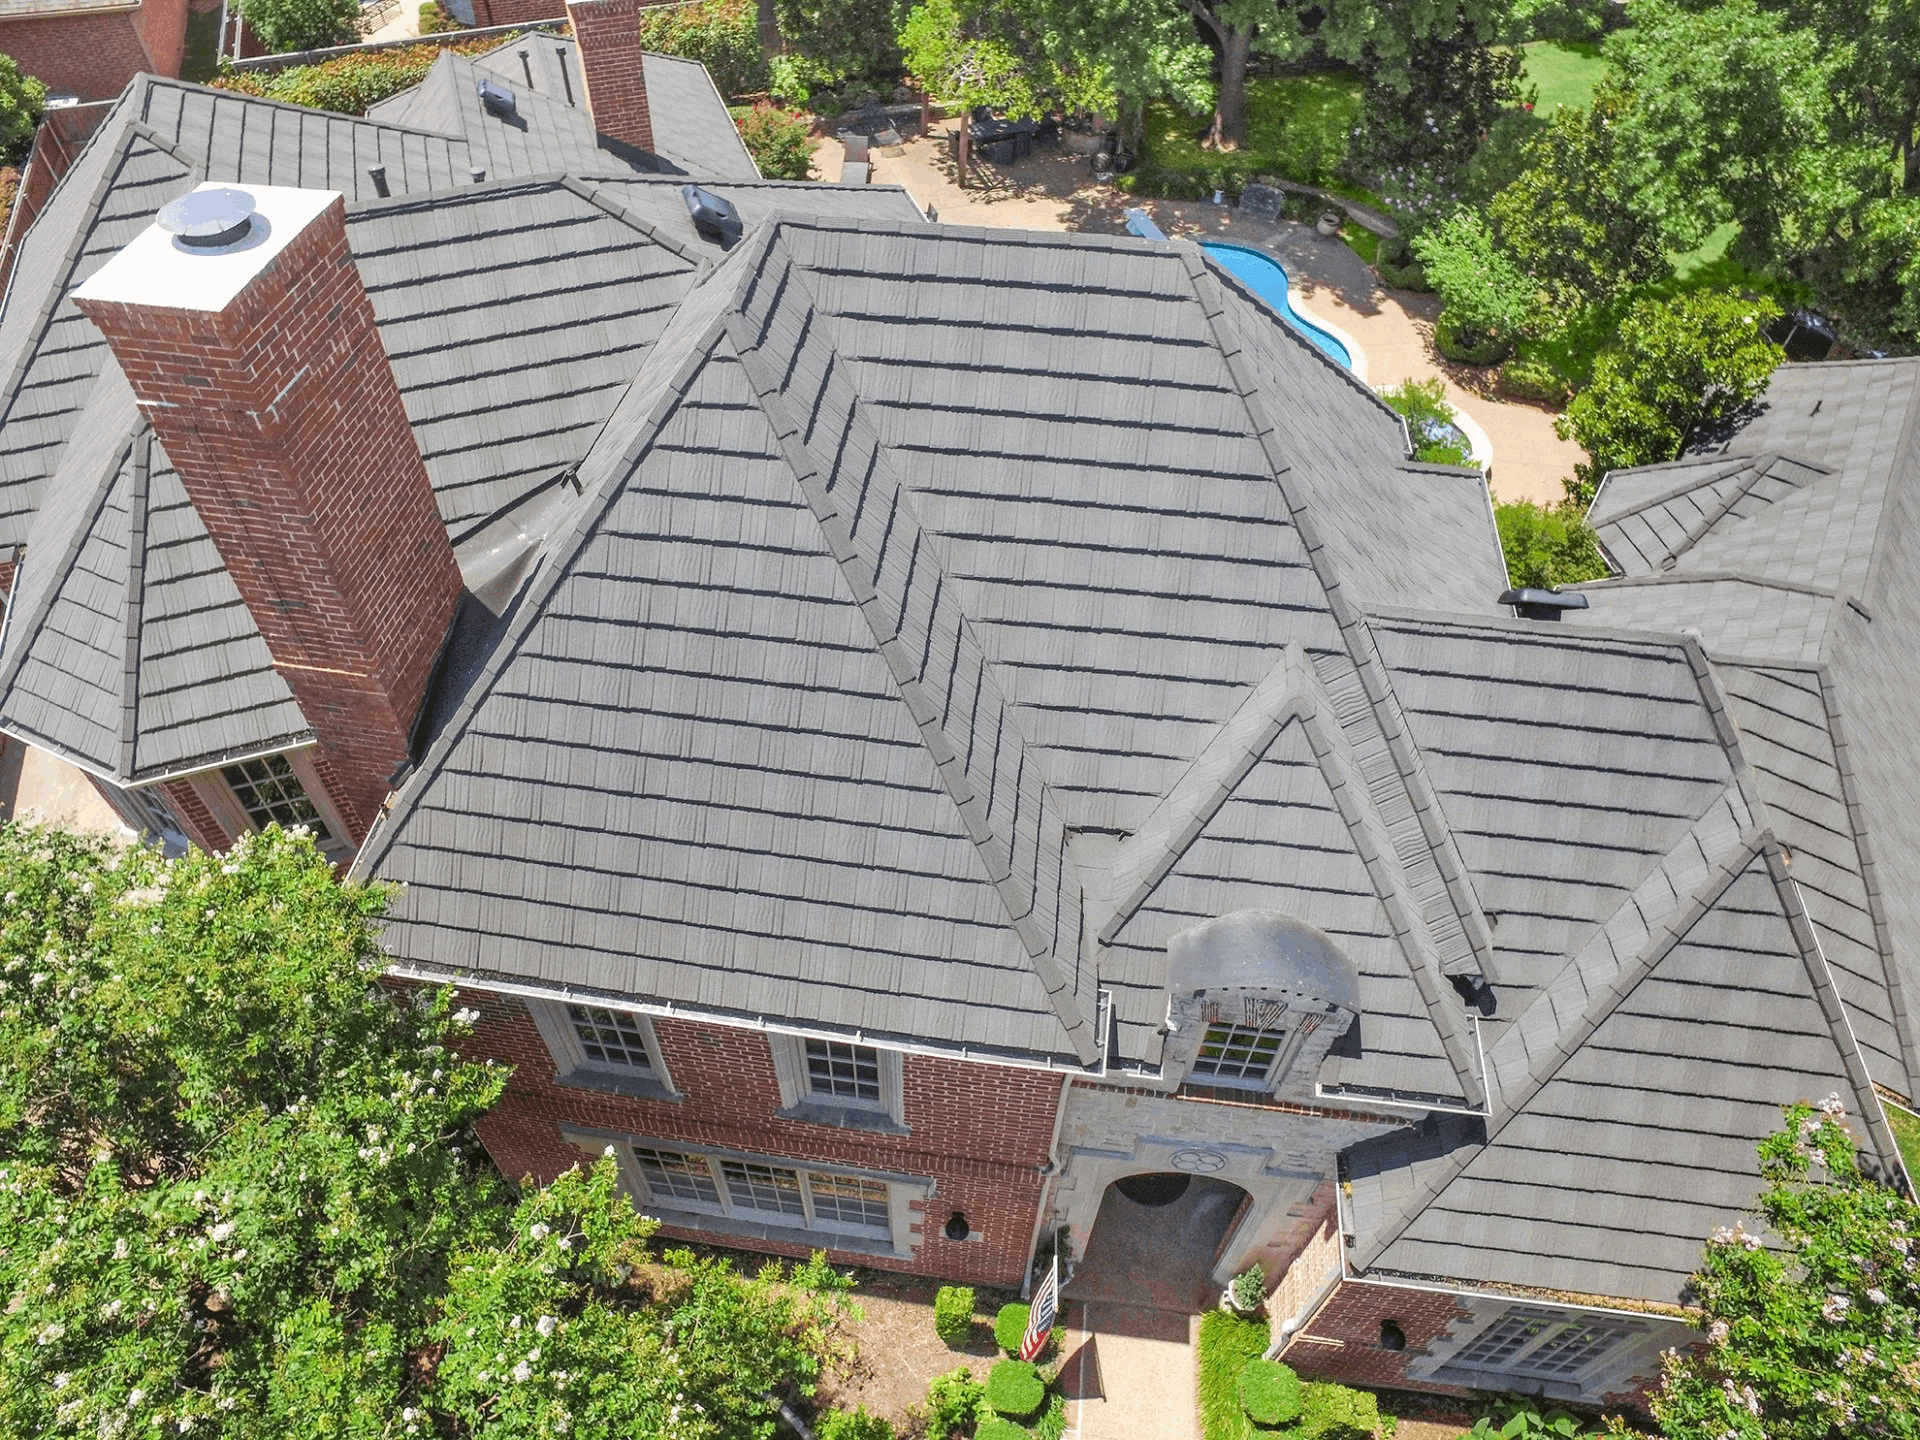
pixel 240 1192
pixel 21 100
pixel 285 25
pixel 1812 1322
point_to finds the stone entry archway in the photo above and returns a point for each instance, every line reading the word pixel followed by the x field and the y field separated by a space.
pixel 1158 1255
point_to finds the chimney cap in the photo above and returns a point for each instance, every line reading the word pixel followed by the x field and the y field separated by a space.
pixel 1542 604
pixel 208 219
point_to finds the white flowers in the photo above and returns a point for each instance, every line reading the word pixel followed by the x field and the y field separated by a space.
pixel 538 1231
pixel 1835 1310
pixel 1718 1332
pixel 120 1248
pixel 464 1016
pixel 522 1372
pixel 50 1334
pixel 546 1325
pixel 1876 1296
pixel 221 1231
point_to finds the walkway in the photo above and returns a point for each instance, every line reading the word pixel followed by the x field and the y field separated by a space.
pixel 1128 1374
pixel 1055 191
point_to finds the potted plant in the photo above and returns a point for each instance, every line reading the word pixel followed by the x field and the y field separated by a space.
pixel 1246 1291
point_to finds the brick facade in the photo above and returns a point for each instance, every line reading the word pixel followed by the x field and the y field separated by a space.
pixel 194 816
pixel 980 1133
pixel 95 53
pixel 1342 1341
pixel 281 414
pixel 515 12
pixel 612 67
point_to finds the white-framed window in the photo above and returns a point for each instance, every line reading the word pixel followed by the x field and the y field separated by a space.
pixel 839 1082
pixel 765 1197
pixel 598 1047
pixel 1540 1344
pixel 284 788
pixel 148 815
pixel 1245 1056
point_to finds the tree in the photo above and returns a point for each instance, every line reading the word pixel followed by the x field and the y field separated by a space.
pixel 998 56
pixel 1813 1331
pixel 1427 110
pixel 240 1193
pixel 781 144
pixel 1548 546
pixel 1484 294
pixel 723 35
pixel 841 39
pixel 1567 218
pixel 1681 369
pixel 285 25
pixel 22 98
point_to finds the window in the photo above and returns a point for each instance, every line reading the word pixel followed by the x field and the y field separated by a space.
pixel 756 1195
pixel 269 792
pixel 596 1047
pixel 1539 1344
pixel 838 1082
pixel 148 814
pixel 1237 1055
pixel 843 1072
pixel 611 1037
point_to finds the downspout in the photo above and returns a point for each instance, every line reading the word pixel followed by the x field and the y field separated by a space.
pixel 1046 1190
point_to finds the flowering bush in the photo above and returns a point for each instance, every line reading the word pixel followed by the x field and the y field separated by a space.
pixel 781 144
pixel 1486 296
pixel 1815 1332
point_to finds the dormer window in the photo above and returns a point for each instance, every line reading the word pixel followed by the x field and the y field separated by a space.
pixel 1238 1055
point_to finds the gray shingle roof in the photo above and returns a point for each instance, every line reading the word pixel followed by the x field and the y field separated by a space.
pixel 1632 1093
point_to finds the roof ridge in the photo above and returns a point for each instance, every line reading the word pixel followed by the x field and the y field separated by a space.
pixel 143 443
pixel 891 565
pixel 678 245
pixel 1667 497
pixel 1466 915
pixel 1720 878
pixel 1702 577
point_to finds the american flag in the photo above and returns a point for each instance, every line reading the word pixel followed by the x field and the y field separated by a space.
pixel 1046 1304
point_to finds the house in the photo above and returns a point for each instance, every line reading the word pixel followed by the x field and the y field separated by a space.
pixel 92 48
pixel 937 744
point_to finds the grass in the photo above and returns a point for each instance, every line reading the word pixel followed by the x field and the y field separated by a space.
pixel 201 60
pixel 1227 1342
pixel 1708 251
pixel 1298 128
pixel 1906 1133
pixel 1563 71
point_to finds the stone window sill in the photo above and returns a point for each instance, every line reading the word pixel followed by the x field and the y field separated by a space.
pixel 742 1227
pixel 636 1087
pixel 843 1117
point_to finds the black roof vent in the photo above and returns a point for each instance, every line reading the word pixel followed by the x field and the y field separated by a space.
pixel 496 98
pixel 713 217
pixel 1542 604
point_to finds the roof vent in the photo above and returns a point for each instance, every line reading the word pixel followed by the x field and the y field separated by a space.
pixel 1542 604
pixel 495 98
pixel 210 220
pixel 713 217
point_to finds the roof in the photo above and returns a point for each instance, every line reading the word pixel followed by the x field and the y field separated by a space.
pixel 514 313
pixel 550 128
pixel 970 525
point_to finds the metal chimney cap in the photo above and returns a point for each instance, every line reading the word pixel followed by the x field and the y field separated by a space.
pixel 208 219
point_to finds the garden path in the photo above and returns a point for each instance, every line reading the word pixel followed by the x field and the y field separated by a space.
pixel 1055 191
pixel 1128 1373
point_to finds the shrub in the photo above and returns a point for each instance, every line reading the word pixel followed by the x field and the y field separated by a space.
pixel 1546 547
pixel 1269 1392
pixel 303 24
pixel 953 1314
pixel 1486 295
pixel 1010 1327
pixel 1334 1412
pixel 1467 347
pixel 955 1402
pixel 22 98
pixel 1437 439
pixel 1052 1424
pixel 781 144
pixel 350 83
pixel 994 1428
pixel 435 21
pixel 1014 1388
pixel 1516 1417
pixel 1533 381
pixel 1248 1288
pixel 1398 267
pixel 852 1425
pixel 723 35
pixel 1227 1343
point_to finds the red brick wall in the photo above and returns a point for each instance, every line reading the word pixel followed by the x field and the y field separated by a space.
pixel 1342 1342
pixel 283 419
pixel 516 12
pixel 611 65
pixel 192 811
pixel 981 1132
pixel 95 55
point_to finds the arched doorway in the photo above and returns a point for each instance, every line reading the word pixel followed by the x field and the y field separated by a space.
pixel 1156 1240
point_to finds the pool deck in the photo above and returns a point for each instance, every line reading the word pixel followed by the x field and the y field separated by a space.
pixel 1331 285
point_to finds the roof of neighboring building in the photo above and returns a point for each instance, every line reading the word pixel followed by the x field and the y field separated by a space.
pixel 45 9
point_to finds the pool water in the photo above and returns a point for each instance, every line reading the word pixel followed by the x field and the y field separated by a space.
pixel 1267 278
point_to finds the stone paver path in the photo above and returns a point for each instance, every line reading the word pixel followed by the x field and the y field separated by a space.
pixel 1128 1374
pixel 1056 191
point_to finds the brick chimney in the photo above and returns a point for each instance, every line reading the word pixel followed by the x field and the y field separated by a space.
pixel 252 349
pixel 611 65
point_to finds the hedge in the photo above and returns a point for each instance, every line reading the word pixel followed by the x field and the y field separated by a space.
pixel 1269 1392
pixel 953 1314
pixel 1014 1389
pixel 349 84
pixel 1483 352
pixel 998 1429
pixel 1010 1326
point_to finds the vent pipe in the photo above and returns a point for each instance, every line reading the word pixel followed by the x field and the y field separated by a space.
pixel 378 175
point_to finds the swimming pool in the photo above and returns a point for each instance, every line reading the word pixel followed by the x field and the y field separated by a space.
pixel 1267 278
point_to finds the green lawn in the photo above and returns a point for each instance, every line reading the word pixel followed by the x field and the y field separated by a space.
pixel 202 59
pixel 1298 128
pixel 1709 252
pixel 1906 1130
pixel 1563 71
